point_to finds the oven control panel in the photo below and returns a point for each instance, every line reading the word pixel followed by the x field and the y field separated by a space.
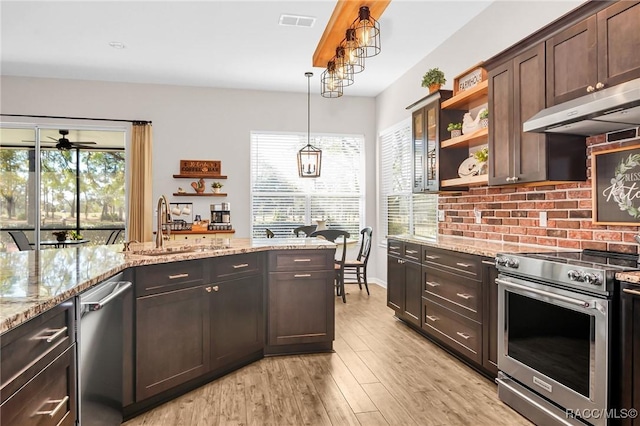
pixel 508 262
pixel 584 277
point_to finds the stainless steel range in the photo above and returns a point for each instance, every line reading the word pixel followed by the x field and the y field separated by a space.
pixel 555 332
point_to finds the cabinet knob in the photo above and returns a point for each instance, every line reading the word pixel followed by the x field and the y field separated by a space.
pixel 215 288
pixel 515 178
pixel 208 289
pixel 599 86
pixel 591 89
pixel 509 179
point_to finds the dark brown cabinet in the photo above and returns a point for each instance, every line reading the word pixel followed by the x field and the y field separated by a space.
pixel 630 350
pixel 516 93
pixel 598 52
pixel 490 317
pixel 38 370
pixel 300 297
pixel 172 339
pixel 237 319
pixel 429 128
pixel 404 275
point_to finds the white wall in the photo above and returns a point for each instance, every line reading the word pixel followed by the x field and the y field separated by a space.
pixel 501 25
pixel 200 123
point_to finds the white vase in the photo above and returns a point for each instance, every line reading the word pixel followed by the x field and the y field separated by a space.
pixel 322 224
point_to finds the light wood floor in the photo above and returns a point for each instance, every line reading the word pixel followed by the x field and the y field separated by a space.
pixel 381 373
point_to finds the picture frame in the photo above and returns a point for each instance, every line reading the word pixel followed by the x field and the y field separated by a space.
pixel 615 183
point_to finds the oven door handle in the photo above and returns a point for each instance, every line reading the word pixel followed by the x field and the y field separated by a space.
pixel 578 302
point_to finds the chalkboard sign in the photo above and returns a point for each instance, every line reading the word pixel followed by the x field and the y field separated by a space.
pixel 616 186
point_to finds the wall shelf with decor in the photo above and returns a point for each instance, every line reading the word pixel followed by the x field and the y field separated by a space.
pixel 196 194
pixel 471 95
pixel 200 175
pixel 479 135
pixel 477 180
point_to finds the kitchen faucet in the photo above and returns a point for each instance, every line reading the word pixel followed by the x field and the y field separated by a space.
pixel 163 218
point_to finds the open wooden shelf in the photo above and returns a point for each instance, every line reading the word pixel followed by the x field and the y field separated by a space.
pixel 195 194
pixel 463 99
pixel 466 181
pixel 199 176
pixel 466 140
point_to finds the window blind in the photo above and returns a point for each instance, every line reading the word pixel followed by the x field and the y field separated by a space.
pixel 282 201
pixel 402 211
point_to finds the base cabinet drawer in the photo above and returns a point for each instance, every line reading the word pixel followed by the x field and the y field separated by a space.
pixel 152 279
pixel 295 260
pixel 459 332
pixel 48 399
pixel 460 294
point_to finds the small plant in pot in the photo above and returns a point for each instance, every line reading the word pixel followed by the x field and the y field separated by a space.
pixel 455 129
pixel 484 118
pixel 60 235
pixel 433 79
pixel 216 187
pixel 482 155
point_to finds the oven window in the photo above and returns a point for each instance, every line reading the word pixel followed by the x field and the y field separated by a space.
pixel 553 340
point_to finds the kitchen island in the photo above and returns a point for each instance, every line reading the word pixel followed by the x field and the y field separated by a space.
pixel 198 312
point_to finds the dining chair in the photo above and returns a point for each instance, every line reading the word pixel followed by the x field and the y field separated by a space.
pixel 269 233
pixel 358 266
pixel 334 235
pixel 111 239
pixel 307 230
pixel 21 240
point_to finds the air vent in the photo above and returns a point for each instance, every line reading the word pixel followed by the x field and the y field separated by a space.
pixel 623 135
pixel 297 21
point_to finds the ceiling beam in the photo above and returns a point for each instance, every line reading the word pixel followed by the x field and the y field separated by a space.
pixel 345 12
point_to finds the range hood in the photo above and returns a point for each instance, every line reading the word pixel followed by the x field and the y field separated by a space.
pixel 607 110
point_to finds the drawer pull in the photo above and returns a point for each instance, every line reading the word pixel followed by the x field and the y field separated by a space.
pixel 465 336
pixel 302 275
pixel 302 260
pixel 629 291
pixel 412 251
pixel 489 262
pixel 432 284
pixel 464 296
pixel 242 265
pixel 430 257
pixel 394 247
pixel 59 404
pixel 432 318
pixel 463 265
pixel 56 333
pixel 175 277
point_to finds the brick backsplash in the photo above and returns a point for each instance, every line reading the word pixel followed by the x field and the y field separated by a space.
pixel 511 214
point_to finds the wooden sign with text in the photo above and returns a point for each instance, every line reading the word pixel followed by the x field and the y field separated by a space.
pixel 200 167
pixel 616 186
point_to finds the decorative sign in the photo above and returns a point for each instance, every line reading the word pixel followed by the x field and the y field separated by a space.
pixel 470 80
pixel 616 186
pixel 200 167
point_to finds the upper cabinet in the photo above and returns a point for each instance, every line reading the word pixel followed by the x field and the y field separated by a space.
pixel 429 128
pixel 597 52
pixel 517 92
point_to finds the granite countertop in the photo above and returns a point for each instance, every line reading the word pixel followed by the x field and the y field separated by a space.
pixel 488 248
pixel 33 281
pixel 630 277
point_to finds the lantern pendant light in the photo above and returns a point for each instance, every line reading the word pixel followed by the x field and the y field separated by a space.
pixel 344 71
pixel 309 157
pixel 352 52
pixel 367 32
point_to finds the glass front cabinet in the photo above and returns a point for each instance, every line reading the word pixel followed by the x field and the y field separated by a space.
pixel 429 128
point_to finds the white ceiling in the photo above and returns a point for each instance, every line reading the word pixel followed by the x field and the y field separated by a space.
pixel 230 44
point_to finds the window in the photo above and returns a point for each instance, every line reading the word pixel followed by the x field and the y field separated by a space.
pixel 402 211
pixel 81 189
pixel 282 201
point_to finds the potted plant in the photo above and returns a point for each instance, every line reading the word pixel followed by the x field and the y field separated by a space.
pixel 216 187
pixel 455 129
pixel 482 155
pixel 75 235
pixel 60 235
pixel 484 118
pixel 433 79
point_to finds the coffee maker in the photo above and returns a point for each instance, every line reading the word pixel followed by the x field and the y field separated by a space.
pixel 220 217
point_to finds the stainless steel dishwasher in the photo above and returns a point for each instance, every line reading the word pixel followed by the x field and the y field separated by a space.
pixel 101 339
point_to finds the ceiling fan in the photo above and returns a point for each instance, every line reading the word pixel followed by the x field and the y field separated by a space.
pixel 64 144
